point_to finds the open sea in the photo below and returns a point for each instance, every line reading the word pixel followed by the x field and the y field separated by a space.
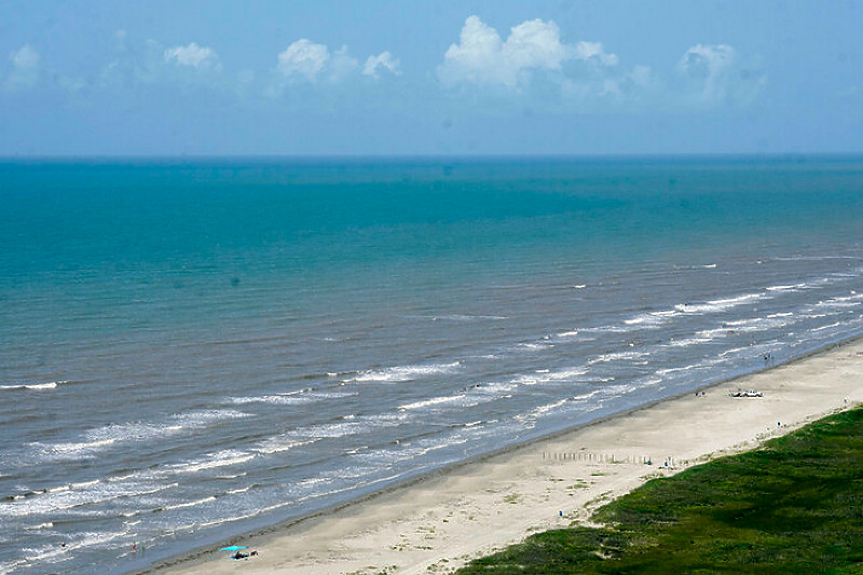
pixel 192 349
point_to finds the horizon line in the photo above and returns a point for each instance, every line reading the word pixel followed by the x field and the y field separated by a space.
pixel 432 156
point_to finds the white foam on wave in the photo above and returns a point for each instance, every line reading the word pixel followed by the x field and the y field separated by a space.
pixel 435 401
pixel 853 300
pixel 578 402
pixel 690 341
pixel 335 430
pixel 466 317
pixel 677 370
pixel 47 525
pixel 183 505
pixel 814 315
pixel 85 540
pixel 616 390
pixel 535 346
pixel 32 386
pixel 716 333
pixel 648 381
pixel 617 356
pixel 468 397
pixel 736 351
pixel 345 427
pixel 571 374
pixel 651 320
pixel 51 502
pixel 542 409
pixel 791 287
pixel 609 329
pixel 756 324
pixel 212 461
pixel 79 485
pixel 313 482
pixel 404 373
pixel 238 490
pixel 495 390
pixel 293 398
pixel 583 398
pixel 711 335
pixel 96 440
pixel 719 305
pixel 272 399
pixel 409 451
pixel 802 258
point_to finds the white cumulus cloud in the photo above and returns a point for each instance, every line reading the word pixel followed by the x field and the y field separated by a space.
pixel 306 61
pixel 25 67
pixel 482 57
pixel 192 55
pixel 592 52
pixel 341 65
pixel 716 74
pixel 304 58
pixel 385 61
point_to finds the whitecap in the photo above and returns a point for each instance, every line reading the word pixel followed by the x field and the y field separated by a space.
pixel 102 438
pixel 551 376
pixel 187 504
pixel 689 341
pixel 272 399
pixel 756 324
pixel 50 502
pixel 535 346
pixel 550 407
pixel 432 402
pixel 651 320
pixel 719 305
pixel 617 355
pixel 823 327
pixel 32 386
pixel 465 317
pixel 404 373
pixel 212 461
pixel 673 370
pixel 791 287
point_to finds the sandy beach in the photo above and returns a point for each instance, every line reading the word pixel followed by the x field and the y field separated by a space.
pixel 442 521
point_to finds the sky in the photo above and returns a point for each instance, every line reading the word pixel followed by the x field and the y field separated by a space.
pixel 424 77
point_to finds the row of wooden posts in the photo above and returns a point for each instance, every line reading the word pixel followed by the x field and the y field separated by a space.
pixel 605 458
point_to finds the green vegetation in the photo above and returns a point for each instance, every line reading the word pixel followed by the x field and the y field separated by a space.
pixel 512 498
pixel 793 506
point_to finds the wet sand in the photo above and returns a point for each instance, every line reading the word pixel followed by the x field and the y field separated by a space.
pixel 441 521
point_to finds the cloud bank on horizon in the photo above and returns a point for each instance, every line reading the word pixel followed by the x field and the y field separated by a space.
pixel 429 78
pixel 532 53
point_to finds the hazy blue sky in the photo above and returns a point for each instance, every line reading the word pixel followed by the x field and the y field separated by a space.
pixel 167 77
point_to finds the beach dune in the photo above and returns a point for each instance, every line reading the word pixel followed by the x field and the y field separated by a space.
pixel 440 522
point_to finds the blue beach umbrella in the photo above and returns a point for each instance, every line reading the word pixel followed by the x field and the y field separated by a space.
pixel 232 548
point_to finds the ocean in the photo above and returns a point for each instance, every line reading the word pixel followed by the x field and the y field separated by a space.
pixel 191 349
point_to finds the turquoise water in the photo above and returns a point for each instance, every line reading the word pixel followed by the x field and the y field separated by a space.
pixel 196 348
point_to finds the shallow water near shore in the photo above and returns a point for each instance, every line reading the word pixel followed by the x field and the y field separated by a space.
pixel 194 349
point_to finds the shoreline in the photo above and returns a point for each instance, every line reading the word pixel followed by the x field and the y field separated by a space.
pixel 439 520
